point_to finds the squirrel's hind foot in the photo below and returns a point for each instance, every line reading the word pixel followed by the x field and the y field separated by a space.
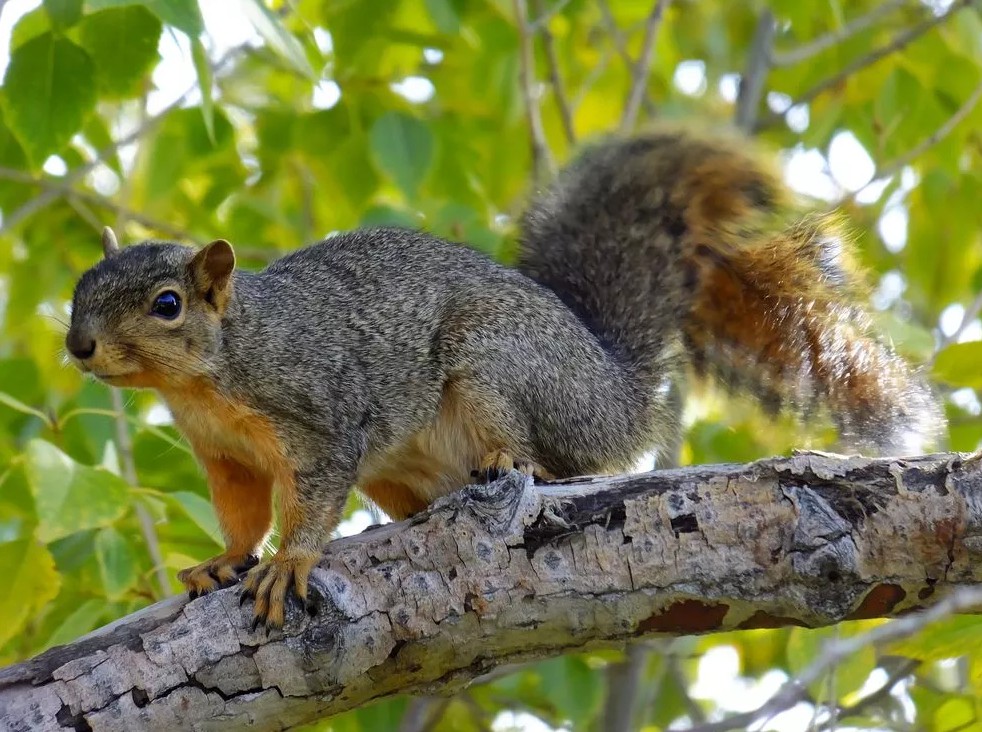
pixel 497 464
pixel 216 573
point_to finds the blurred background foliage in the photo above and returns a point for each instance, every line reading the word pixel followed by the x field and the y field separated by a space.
pixel 275 124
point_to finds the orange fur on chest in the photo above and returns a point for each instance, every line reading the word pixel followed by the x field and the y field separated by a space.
pixel 219 428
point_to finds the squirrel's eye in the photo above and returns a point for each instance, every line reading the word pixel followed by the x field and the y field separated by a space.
pixel 167 305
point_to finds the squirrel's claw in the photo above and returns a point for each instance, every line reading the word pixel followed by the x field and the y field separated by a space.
pixel 497 464
pixel 216 573
pixel 269 583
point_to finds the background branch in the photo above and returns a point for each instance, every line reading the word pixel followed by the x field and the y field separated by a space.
pixel 541 156
pixel 898 43
pixel 639 71
pixel 758 64
pixel 555 80
pixel 837 36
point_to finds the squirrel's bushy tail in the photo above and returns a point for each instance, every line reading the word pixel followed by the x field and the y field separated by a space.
pixel 671 238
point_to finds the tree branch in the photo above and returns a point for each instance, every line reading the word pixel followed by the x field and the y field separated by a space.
pixel 897 165
pixel 963 599
pixel 752 80
pixel 898 43
pixel 514 572
pixel 832 38
pixel 541 156
pixel 555 80
pixel 619 43
pixel 639 72
pixel 63 186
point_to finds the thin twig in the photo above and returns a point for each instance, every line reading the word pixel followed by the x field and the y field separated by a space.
pixel 897 165
pixel 752 80
pixel 124 439
pixel 558 90
pixel 128 466
pixel 832 38
pixel 942 132
pixel 59 187
pixel 639 73
pixel 541 156
pixel 620 46
pixel 692 708
pixel 542 21
pixel 898 43
pixel 424 713
pixel 624 684
pixel 595 73
pixel 873 699
pixel 794 690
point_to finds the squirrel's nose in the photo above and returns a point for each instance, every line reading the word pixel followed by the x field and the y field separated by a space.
pixel 80 343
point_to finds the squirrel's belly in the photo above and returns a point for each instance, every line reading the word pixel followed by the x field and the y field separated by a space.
pixel 430 463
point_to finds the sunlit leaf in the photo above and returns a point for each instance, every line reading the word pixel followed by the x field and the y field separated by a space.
pixel 277 36
pixel 123 44
pixel 30 582
pixel 70 496
pixel 48 90
pixel 403 146
pixel 117 564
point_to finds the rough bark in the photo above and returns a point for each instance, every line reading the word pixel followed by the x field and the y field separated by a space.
pixel 513 571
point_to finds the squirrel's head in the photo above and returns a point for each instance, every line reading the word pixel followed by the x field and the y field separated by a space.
pixel 150 315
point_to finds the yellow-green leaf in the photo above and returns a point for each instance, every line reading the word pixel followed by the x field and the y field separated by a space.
pixel 960 364
pixel 117 564
pixel 30 582
pixel 69 496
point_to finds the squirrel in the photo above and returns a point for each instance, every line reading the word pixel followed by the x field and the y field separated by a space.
pixel 397 363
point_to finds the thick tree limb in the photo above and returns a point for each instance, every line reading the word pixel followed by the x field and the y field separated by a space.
pixel 511 572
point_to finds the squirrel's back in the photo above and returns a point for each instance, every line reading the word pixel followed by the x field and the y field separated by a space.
pixel 675 238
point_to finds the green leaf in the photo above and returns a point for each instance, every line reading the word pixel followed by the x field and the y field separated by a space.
pixel 123 44
pixel 31 25
pixel 960 364
pixel 49 90
pixel 69 496
pixel 82 620
pixel 444 15
pixel 19 406
pixel 203 69
pixel 283 43
pixel 116 563
pixel 573 687
pixel 949 638
pixel 63 13
pixel 805 645
pixel 403 146
pixel 956 715
pixel 30 582
pixel 185 15
pixel 200 512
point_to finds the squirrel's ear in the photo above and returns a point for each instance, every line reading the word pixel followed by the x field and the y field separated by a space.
pixel 212 271
pixel 110 247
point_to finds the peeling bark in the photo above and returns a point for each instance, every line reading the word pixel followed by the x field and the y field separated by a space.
pixel 514 571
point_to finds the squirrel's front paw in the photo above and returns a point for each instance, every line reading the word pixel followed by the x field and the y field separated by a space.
pixel 216 573
pixel 270 582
